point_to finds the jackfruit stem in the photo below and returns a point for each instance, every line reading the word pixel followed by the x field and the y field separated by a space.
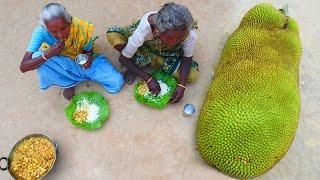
pixel 285 9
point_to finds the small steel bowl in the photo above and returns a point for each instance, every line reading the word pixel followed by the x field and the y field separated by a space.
pixel 188 110
pixel 82 59
pixel 9 159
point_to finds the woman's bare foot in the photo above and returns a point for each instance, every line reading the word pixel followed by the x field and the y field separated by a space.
pixel 129 77
pixel 68 93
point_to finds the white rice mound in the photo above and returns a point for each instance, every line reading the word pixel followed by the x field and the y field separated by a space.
pixel 91 108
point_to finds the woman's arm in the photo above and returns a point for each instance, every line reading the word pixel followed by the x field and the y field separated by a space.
pixel 151 82
pixel 184 72
pixel 185 66
pixel 127 62
pixel 28 64
pixel 185 69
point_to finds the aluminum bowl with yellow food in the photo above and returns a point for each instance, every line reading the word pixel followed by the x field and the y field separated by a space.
pixel 32 157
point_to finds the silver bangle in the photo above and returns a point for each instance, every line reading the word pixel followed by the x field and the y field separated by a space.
pixel 43 56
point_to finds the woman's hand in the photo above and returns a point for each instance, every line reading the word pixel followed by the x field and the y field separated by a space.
pixel 90 60
pixel 177 95
pixel 154 86
pixel 54 50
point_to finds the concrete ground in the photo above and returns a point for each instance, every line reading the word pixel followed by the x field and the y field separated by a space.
pixel 139 142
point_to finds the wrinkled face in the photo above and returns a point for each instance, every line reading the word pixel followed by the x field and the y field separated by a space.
pixel 173 36
pixel 59 28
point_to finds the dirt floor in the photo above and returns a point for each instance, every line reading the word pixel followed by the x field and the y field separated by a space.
pixel 139 142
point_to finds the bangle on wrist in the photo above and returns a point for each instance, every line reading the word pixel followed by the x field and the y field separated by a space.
pixel 44 56
pixel 149 79
pixel 184 87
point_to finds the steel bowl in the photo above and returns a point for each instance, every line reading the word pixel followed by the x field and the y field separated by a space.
pixel 82 59
pixel 9 159
pixel 188 110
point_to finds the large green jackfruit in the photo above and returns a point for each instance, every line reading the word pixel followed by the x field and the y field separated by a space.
pixel 250 115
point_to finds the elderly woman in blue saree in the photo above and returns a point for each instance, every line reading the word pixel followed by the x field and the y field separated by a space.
pixel 54 46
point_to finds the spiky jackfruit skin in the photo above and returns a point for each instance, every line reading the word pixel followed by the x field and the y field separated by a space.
pixel 251 111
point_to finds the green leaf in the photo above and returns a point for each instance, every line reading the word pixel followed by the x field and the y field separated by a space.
pixel 158 102
pixel 92 97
